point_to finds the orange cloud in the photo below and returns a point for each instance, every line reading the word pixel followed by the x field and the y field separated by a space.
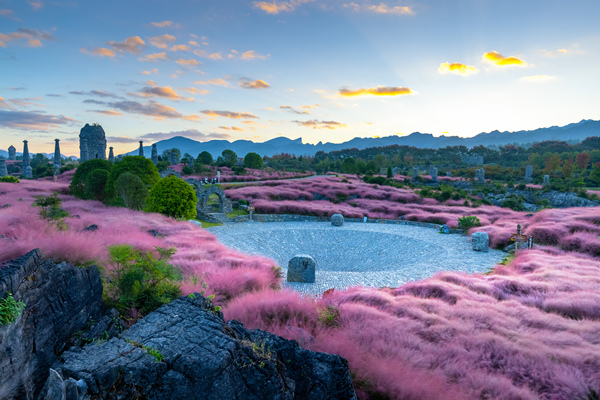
pixel 196 91
pixel 275 7
pixel 154 57
pixel 161 41
pixel 382 8
pixel 189 62
pixel 499 60
pixel 290 108
pixel 231 128
pixel 99 51
pixel 379 91
pixel 321 124
pixel 158 91
pixel 133 44
pixel 106 112
pixel 204 54
pixel 457 69
pixel 180 47
pixel 216 82
pixel 152 71
pixel 252 55
pixel 257 84
pixel 164 24
pixel 150 108
pixel 34 37
pixel 228 114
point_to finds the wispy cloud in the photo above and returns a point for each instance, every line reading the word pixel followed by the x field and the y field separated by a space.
pixel 151 108
pixel 315 124
pixel 121 139
pixel 381 8
pixel 196 90
pixel 190 133
pixel 32 36
pixel 106 112
pixel 457 69
pixel 132 44
pixel 231 128
pixel 162 41
pixel 27 102
pixel 160 91
pixel 205 54
pixel 154 57
pixel 99 51
pixel 188 63
pixel 98 93
pixel 247 55
pixel 499 60
pixel 216 82
pixel 36 5
pixel 246 83
pixel 150 72
pixel 378 91
pixel 537 78
pixel 275 7
pixel 32 120
pixel 228 114
pixel 291 109
pixel 165 24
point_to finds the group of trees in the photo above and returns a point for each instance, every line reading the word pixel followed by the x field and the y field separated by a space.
pixel 134 182
pixel 228 158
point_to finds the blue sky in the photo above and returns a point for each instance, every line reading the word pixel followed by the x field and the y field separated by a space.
pixel 321 70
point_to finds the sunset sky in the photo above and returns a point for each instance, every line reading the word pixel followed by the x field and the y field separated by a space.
pixel 321 70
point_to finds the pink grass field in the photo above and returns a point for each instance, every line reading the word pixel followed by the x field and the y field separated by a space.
pixel 251 175
pixel 528 330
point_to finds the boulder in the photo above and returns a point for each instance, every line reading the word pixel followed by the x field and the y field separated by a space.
pixel 445 229
pixel 60 300
pixel 301 268
pixel 337 220
pixel 185 350
pixel 480 241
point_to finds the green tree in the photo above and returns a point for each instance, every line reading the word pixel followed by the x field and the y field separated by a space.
pixel 595 174
pixel 95 184
pixel 132 190
pixel 253 160
pixel 390 174
pixel 349 166
pixel 77 185
pixel 583 159
pixel 173 197
pixel 204 158
pixel 229 158
pixel 137 165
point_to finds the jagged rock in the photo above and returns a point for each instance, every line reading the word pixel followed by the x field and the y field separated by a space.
pixel 94 138
pixel 12 153
pixel 555 199
pixel 91 228
pixel 184 350
pixel 337 220
pixel 301 268
pixel 480 241
pixel 155 233
pixel 60 300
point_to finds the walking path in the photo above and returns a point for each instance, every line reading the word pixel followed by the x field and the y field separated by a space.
pixel 358 254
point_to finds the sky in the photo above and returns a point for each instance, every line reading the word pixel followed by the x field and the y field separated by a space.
pixel 320 70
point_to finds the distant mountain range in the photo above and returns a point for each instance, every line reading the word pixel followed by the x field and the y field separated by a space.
pixel 572 132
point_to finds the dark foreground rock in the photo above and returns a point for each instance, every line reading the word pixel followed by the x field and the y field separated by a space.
pixel 185 350
pixel 60 301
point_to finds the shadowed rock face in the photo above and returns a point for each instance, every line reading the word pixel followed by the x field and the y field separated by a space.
pixel 60 300
pixel 185 350
pixel 95 142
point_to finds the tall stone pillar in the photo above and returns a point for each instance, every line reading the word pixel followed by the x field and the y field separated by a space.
pixel 154 154
pixel 12 153
pixel 28 174
pixel 57 158
pixel 3 170
pixel 141 151
pixel 26 162
pixel 111 155
pixel 83 145
pixel 173 158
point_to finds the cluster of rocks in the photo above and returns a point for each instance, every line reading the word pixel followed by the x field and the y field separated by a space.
pixel 472 160
pixel 555 199
pixel 182 350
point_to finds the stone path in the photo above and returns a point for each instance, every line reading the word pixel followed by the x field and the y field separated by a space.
pixel 365 254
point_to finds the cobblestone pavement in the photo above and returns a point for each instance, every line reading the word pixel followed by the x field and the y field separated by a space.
pixel 358 254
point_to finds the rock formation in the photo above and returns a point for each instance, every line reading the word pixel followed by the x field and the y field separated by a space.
pixel 12 153
pixel 95 142
pixel 60 301
pixel 173 158
pixel 301 268
pixel 111 155
pixel 415 173
pixel 26 161
pixel 546 180
pixel 154 154
pixel 3 170
pixel 337 220
pixel 185 350
pixel 480 241
pixel 57 159
pixel 528 173
pixel 433 171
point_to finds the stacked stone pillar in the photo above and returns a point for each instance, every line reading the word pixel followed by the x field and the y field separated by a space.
pixel 3 170
pixel 57 158
pixel 12 153
pixel 111 155
pixel 154 154
pixel 141 150
pixel 26 162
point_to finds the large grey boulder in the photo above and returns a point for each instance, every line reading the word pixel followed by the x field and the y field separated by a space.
pixel 185 350
pixel 301 268
pixel 60 300
pixel 92 142
pixel 337 220
pixel 480 241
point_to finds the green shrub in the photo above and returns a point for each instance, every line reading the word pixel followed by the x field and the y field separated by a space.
pixel 173 197
pixel 162 165
pixel 95 183
pixel 137 165
pixel 204 158
pixel 9 179
pixel 132 191
pixel 141 280
pixel 77 185
pixel 253 160
pixel 10 309
pixel 51 210
pixel 187 170
pixel 521 186
pixel 238 169
pixel 468 221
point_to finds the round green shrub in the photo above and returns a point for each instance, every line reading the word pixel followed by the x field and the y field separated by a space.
pixel 253 160
pixel 132 190
pixel 9 179
pixel 77 185
pixel 137 165
pixel 95 184
pixel 204 158
pixel 173 197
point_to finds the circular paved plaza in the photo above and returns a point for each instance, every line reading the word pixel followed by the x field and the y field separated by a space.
pixel 358 254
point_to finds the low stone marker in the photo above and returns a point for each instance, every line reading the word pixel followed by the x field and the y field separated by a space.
pixel 337 220
pixel 301 268
pixel 480 241
pixel 444 229
pixel 546 180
